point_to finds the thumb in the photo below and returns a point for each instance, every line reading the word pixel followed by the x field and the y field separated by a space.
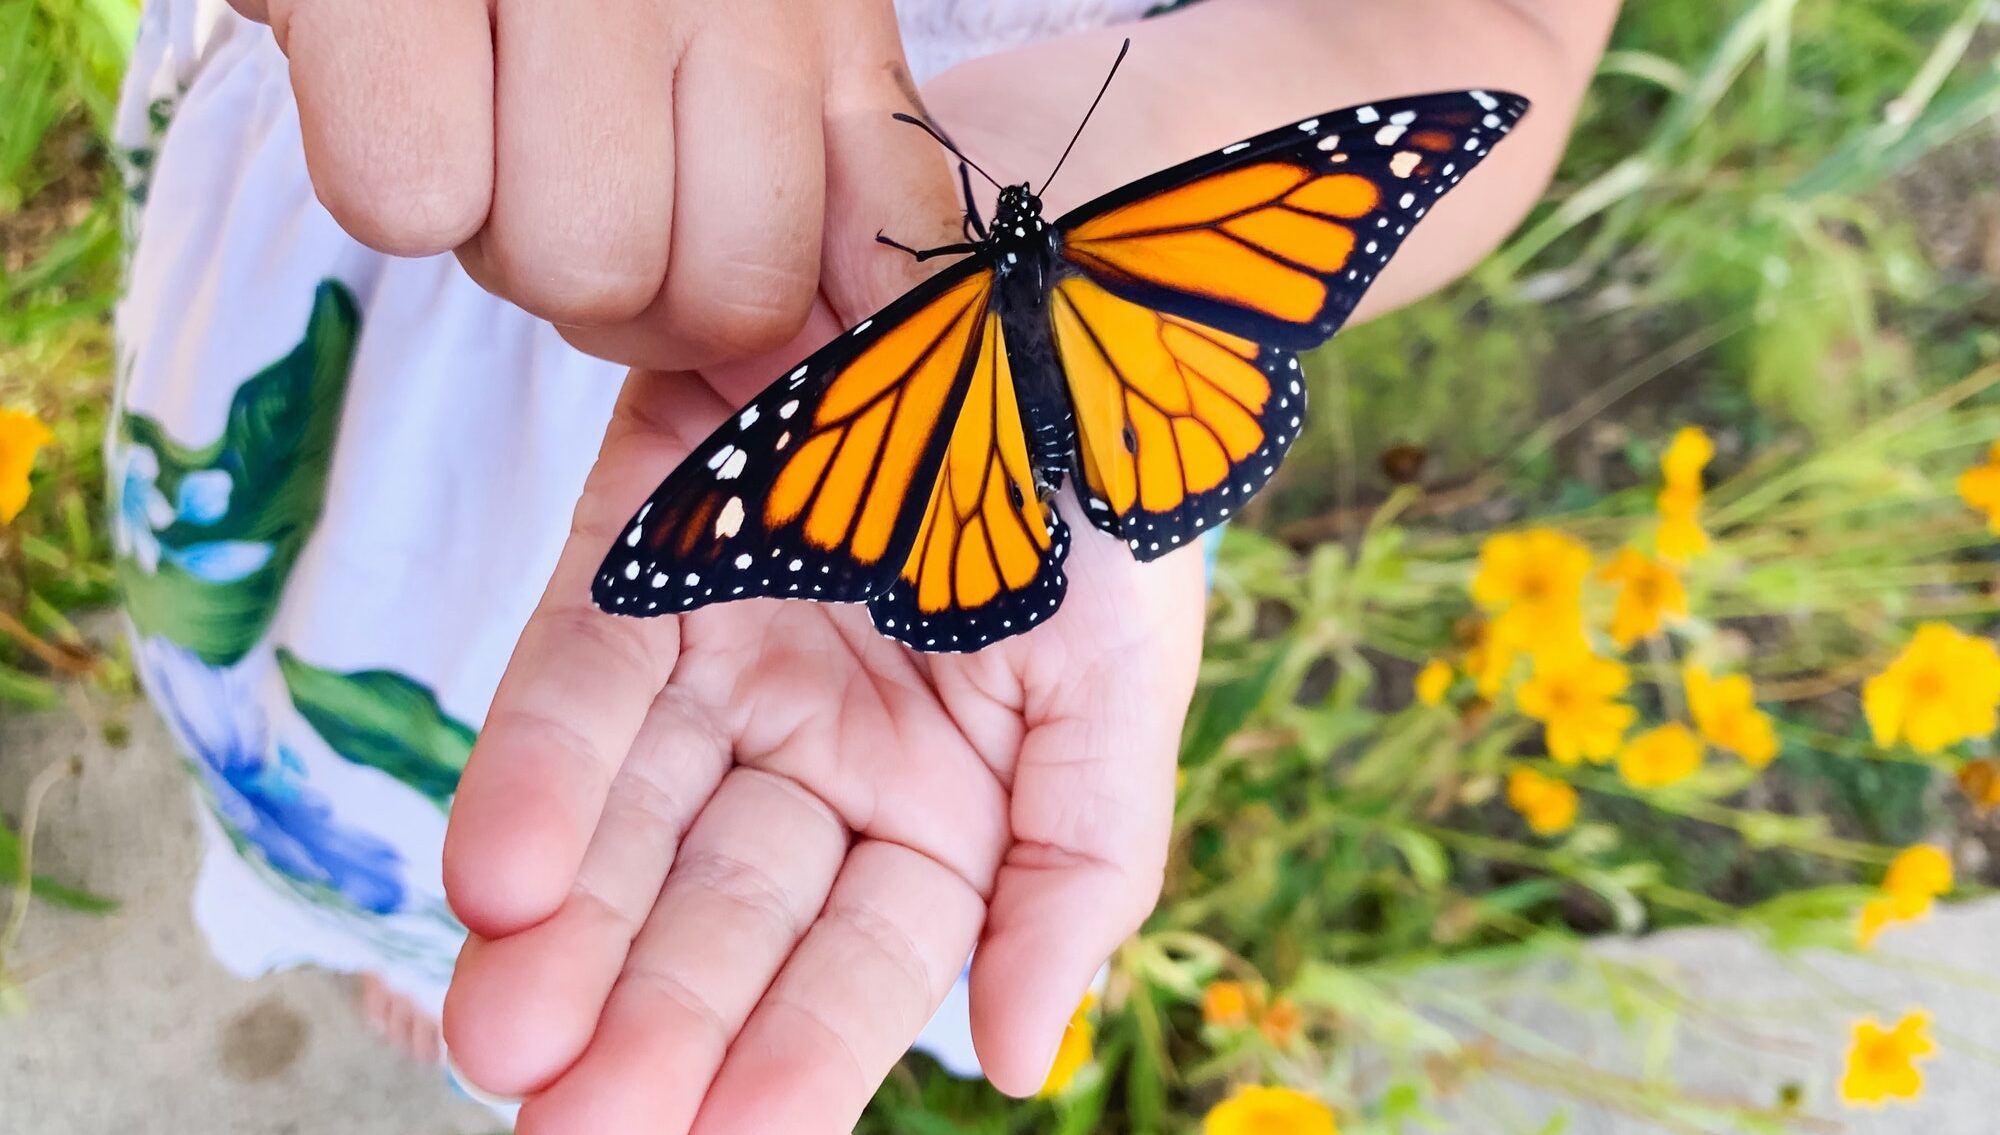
pixel 882 176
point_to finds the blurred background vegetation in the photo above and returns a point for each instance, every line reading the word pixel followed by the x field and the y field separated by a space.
pixel 1779 221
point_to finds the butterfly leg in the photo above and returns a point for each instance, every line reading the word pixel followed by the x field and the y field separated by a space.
pixel 927 253
pixel 975 229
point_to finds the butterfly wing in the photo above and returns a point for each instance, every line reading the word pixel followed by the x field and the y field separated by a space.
pixel 1185 296
pixel 987 560
pixel 817 488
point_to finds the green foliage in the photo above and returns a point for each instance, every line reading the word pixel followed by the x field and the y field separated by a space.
pixel 267 472
pixel 384 721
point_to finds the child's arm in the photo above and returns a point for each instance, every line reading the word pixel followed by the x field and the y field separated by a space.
pixel 630 1016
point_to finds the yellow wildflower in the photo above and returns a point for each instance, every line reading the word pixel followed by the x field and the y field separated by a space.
pixel 1649 592
pixel 1227 1004
pixel 1917 874
pixel 1725 711
pixel 22 435
pixel 1076 1050
pixel 1661 756
pixel 1491 657
pixel 1979 487
pixel 1572 694
pixel 1980 781
pixel 1686 456
pixel 1943 688
pixel 1434 682
pixel 1882 1063
pixel 1533 582
pixel 1548 804
pixel 1680 537
pixel 1269 1111
pixel 1914 880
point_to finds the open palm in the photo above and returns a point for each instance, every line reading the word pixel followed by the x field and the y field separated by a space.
pixel 721 868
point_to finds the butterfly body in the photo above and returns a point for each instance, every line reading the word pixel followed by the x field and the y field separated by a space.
pixel 1143 348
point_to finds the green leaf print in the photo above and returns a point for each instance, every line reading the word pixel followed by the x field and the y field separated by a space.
pixel 383 720
pixel 209 535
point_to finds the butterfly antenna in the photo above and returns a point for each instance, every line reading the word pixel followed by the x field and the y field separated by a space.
pixel 945 142
pixel 1123 48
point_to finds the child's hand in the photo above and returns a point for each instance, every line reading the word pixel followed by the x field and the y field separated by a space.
pixel 657 177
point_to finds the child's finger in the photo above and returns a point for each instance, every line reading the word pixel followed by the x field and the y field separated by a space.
pixel 396 115
pixel 1092 812
pixel 752 876
pixel 749 180
pixel 577 689
pixel 855 993
pixel 584 157
pixel 522 1008
pixel 882 176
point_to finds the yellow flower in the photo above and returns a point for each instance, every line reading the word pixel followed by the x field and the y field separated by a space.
pixel 1979 487
pixel 1680 537
pixel 1915 878
pixel 1648 593
pixel 1434 682
pixel 1491 657
pixel 1269 1111
pixel 1882 1063
pixel 1686 456
pixel 1548 804
pixel 1943 688
pixel 1533 582
pixel 1571 693
pixel 1227 1004
pixel 1917 874
pixel 1076 1050
pixel 1661 756
pixel 22 435
pixel 1725 711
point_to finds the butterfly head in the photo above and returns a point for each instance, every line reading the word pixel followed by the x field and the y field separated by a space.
pixel 1018 213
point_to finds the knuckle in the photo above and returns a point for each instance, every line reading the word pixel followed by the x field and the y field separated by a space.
pixel 885 939
pixel 746 309
pixel 402 208
pixel 741 884
pixel 619 644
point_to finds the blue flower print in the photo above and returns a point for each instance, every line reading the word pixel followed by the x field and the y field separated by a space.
pixel 259 795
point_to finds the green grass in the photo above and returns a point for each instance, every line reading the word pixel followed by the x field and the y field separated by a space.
pixel 1751 231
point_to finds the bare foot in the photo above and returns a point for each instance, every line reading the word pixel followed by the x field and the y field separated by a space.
pixel 399 1021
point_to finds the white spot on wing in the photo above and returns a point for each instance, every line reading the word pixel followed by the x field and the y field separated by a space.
pixel 733 468
pixel 788 409
pixel 1403 118
pixel 1388 135
pixel 1237 148
pixel 1330 143
pixel 748 419
pixel 863 326
pixel 1485 100
pixel 1367 114
pixel 1309 125
pixel 721 457
pixel 730 520
pixel 1405 163
pixel 632 570
pixel 743 561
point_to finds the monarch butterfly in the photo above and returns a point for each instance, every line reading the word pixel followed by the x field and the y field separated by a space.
pixel 1144 344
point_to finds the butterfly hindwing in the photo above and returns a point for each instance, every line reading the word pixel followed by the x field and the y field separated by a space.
pixel 1277 237
pixel 816 488
pixel 1185 296
pixel 987 560
pixel 1178 424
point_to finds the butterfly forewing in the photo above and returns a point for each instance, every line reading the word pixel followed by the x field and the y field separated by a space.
pixel 1276 238
pixel 1187 294
pixel 987 561
pixel 817 487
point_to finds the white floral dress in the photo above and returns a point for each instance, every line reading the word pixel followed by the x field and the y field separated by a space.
pixel 315 448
